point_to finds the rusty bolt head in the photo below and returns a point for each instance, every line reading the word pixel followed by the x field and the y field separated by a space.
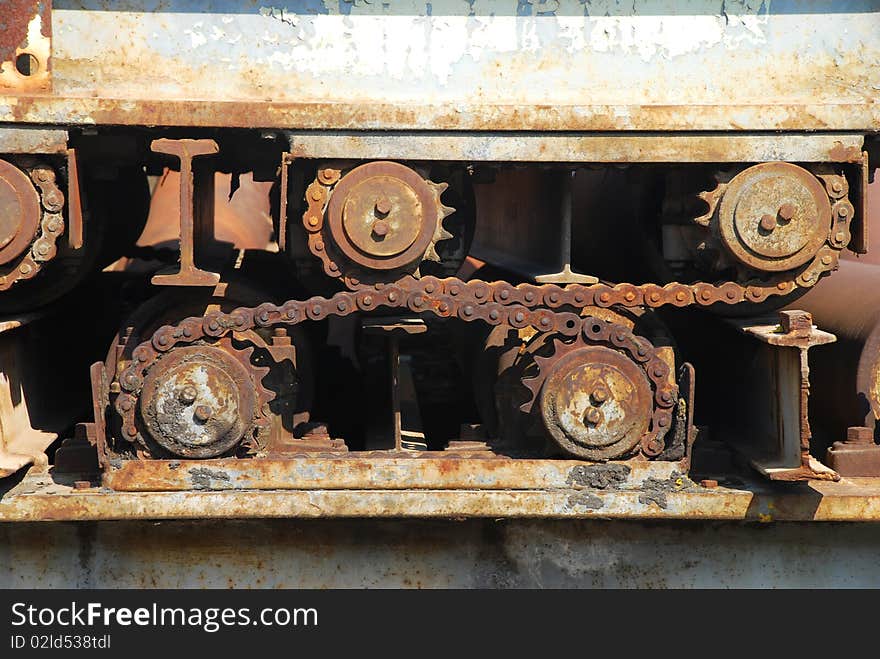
pixel 317 194
pixel 187 395
pixel 279 331
pixel 843 211
pixel 786 212
pixel 837 186
pixel 313 221
pixel 593 417
pixel 840 236
pixel 599 395
pixel 203 413
pixel 42 174
pixel 82 485
pixel 519 316
pixel 859 435
pixel 383 206
pixel 380 228
pixel 795 321
pixel 768 222
pixel 24 268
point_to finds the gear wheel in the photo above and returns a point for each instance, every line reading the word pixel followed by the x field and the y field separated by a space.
pixel 383 220
pixel 599 397
pixel 204 401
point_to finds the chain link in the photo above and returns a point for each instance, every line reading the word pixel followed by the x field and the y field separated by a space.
pixel 43 247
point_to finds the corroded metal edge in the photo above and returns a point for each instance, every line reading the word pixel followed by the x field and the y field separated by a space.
pixel 26 139
pixel 38 498
pixel 352 472
pixel 256 113
pixel 578 147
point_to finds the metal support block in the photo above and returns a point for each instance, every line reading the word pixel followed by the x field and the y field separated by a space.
pixel 405 418
pixel 776 395
pixel 194 222
pixel 858 455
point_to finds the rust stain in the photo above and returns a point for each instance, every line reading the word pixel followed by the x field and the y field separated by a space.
pixel 261 113
pixel 14 21
pixel 25 58
pixel 842 153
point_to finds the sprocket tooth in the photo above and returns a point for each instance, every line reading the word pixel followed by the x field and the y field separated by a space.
pixel 441 234
pixel 446 211
pixel 533 384
pixel 431 254
pixel 440 188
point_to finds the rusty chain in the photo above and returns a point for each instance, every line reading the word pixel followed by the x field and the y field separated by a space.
pixel 51 226
pixel 625 295
pixel 542 307
pixel 445 298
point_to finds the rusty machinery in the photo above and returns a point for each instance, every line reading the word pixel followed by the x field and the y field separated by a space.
pixel 581 370
pixel 568 349
pixel 573 367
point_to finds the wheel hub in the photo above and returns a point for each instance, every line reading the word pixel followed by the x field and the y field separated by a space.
pixel 198 402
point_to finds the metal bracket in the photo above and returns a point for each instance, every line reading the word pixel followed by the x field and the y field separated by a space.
pixel 566 275
pixel 405 418
pixel 188 274
pixel 779 423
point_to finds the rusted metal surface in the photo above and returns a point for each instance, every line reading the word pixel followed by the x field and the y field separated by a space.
pixel 74 202
pixel 469 301
pixel 384 216
pixel 20 211
pixel 200 401
pixel 31 203
pixel 185 150
pixel 25 46
pixel 774 216
pixel 379 470
pixel 382 221
pixel 25 432
pixel 565 275
pixel 868 375
pixel 858 455
pixel 782 422
pixel 25 140
pixel 38 497
pixel 463 66
pixel 576 147
pixel 598 403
